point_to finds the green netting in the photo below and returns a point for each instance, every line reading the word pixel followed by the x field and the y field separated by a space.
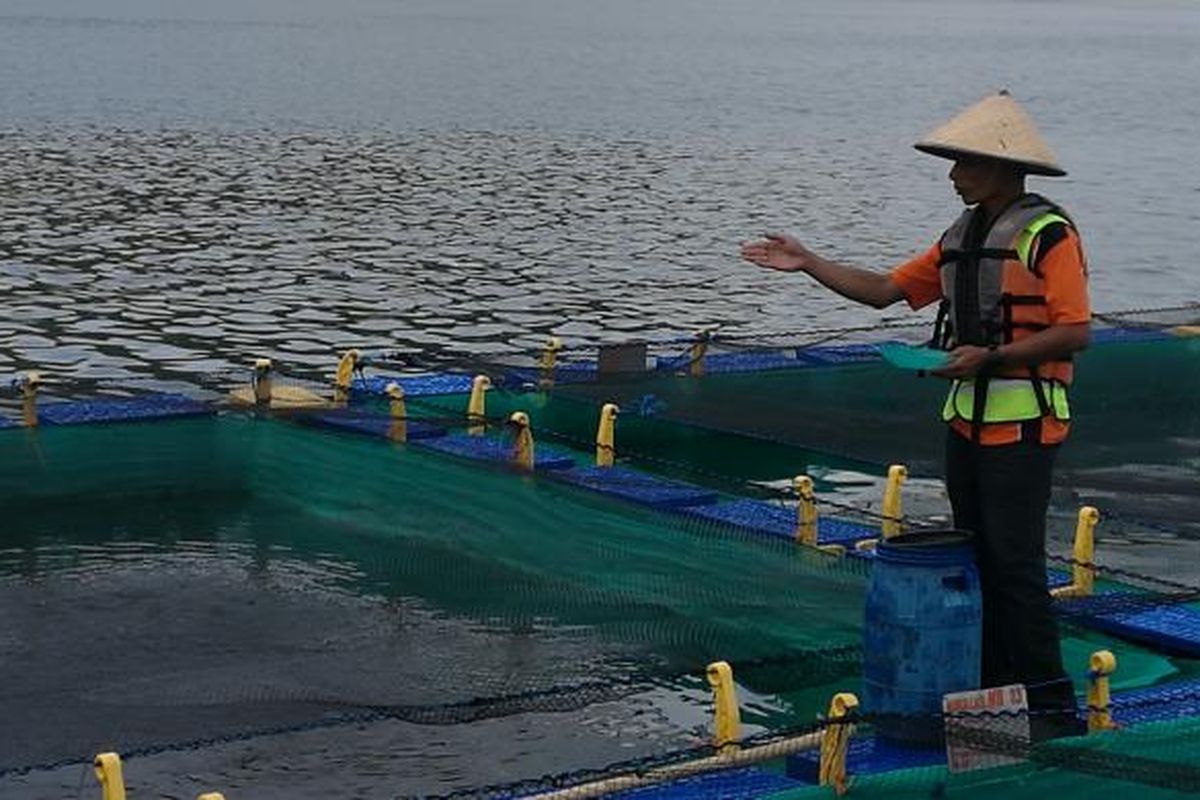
pixel 523 550
pixel 181 586
pixel 663 444
pixel 1130 399
pixel 1148 491
pixel 1134 450
pixel 211 577
pixel 1156 760
pixel 1139 667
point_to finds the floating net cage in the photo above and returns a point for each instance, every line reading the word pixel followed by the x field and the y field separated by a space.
pixel 754 406
pixel 312 597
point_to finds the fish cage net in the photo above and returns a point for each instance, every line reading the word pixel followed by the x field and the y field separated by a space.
pixel 765 407
pixel 188 580
pixel 229 576
pixel 185 587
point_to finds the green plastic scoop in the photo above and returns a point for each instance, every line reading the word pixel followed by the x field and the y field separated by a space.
pixel 919 359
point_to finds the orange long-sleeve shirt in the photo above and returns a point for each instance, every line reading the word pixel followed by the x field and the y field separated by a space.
pixel 1058 256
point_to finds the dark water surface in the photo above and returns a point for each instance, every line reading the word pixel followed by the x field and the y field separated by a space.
pixel 185 186
pixel 138 642
pixel 166 589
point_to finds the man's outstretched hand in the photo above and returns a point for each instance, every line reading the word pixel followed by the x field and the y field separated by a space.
pixel 780 252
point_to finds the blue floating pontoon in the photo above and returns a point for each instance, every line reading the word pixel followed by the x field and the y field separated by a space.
pixel 764 517
pixel 732 362
pixel 1156 703
pixel 154 407
pixel 1172 629
pixel 413 385
pixel 638 487
pixel 866 755
pixel 482 448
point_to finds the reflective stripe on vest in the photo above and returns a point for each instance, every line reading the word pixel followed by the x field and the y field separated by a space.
pixel 1025 240
pixel 1008 400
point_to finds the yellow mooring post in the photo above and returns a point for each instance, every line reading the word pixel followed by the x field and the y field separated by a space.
pixel 835 740
pixel 1102 664
pixel 476 405
pixel 605 435
pixel 1083 570
pixel 261 381
pixel 108 772
pixel 211 796
pixel 523 441
pixel 806 511
pixel 727 719
pixel 344 377
pixel 697 353
pixel 893 506
pixel 548 360
pixel 397 413
pixel 30 383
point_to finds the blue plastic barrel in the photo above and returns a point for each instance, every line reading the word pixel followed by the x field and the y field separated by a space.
pixel 922 631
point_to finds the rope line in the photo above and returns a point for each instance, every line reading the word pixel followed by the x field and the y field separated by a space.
pixel 758 744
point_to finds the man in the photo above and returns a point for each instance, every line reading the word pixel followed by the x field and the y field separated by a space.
pixel 1011 278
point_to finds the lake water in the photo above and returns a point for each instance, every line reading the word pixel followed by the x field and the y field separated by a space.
pixel 185 186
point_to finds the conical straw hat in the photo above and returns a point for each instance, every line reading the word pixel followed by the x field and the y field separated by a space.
pixel 995 127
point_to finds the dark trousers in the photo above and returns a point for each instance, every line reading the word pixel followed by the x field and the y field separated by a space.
pixel 1001 494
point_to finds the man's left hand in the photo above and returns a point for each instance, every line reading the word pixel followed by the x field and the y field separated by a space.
pixel 967 361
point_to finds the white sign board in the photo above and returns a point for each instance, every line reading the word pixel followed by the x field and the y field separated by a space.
pixel 986 727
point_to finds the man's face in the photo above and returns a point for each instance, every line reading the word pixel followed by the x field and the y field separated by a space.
pixel 976 179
